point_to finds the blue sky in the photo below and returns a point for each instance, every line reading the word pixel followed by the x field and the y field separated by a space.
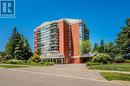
pixel 104 18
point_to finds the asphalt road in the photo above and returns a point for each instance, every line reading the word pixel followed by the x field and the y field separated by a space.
pixel 57 75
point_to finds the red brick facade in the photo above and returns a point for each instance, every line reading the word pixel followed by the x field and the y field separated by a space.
pixel 64 40
pixel 71 53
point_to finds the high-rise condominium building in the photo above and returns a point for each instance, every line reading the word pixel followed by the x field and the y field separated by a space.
pixel 60 40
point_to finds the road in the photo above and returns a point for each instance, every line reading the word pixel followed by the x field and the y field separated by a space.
pixel 57 75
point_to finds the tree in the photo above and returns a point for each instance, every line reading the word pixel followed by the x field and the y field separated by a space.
pixel 109 48
pixel 95 47
pixel 128 22
pixel 18 47
pixel 123 39
pixel 39 51
pixel 0 53
pixel 86 47
pixel 27 53
pixel 101 48
pixel 11 44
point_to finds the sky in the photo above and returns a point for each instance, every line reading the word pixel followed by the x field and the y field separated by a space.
pixel 104 18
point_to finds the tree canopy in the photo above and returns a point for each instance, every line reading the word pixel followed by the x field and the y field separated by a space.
pixel 123 39
pixel 120 47
pixel 17 47
pixel 86 46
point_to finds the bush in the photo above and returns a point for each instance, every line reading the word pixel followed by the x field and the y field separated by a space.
pixel 127 61
pixel 102 58
pixel 49 63
pixel 3 61
pixel 31 62
pixel 39 63
pixel 119 59
pixel 35 58
pixel 127 56
pixel 92 63
pixel 14 62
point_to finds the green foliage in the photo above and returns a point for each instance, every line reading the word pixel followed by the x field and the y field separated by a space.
pixel 39 63
pixel 12 66
pixel 17 47
pixel 14 61
pixel 29 62
pixel 99 48
pixel 123 39
pixel 102 58
pixel 115 67
pixel 120 47
pixel 119 59
pixel 86 47
pixel 116 76
pixel 26 49
pixel 39 51
pixel 127 61
pixel 109 48
pixel 92 63
pixel 49 63
pixel 2 55
pixel 35 58
pixel 95 48
pixel 128 21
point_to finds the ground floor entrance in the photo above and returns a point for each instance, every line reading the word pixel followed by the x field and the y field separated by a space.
pixel 80 60
pixel 56 60
pixel 66 61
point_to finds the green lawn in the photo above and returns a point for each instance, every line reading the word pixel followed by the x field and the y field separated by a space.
pixel 11 66
pixel 115 67
pixel 24 65
pixel 116 76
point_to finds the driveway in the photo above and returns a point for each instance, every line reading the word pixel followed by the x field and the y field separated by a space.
pixel 57 75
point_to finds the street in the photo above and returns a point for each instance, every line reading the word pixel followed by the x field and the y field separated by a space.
pixel 56 75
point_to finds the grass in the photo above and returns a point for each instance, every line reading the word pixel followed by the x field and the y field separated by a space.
pixel 116 76
pixel 114 67
pixel 25 65
pixel 12 66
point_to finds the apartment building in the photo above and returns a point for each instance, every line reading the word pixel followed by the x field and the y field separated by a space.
pixel 60 40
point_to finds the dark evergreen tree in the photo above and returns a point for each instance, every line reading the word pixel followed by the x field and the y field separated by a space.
pixel 26 49
pixel 123 39
pixel 39 51
pixel 95 48
pixel 11 44
pixel 17 47
pixel 101 48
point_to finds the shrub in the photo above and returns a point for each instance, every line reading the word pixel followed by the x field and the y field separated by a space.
pixel 14 62
pixel 127 56
pixel 49 63
pixel 119 59
pixel 35 58
pixel 127 61
pixel 102 58
pixel 92 63
pixel 30 62
pixel 41 63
